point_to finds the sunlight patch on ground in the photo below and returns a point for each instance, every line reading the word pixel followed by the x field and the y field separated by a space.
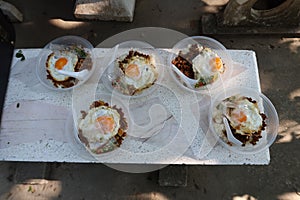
pixel 289 130
pixel 41 190
pixel 210 9
pixel 149 196
pixel 289 196
pixel 244 197
pixel 294 43
pixel 216 2
pixel 295 94
pixel 65 24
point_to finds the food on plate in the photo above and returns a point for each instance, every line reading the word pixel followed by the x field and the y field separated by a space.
pixel 199 63
pixel 102 128
pixel 71 59
pixel 245 119
pixel 134 72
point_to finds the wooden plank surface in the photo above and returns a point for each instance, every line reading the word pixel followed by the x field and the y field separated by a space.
pixel 37 123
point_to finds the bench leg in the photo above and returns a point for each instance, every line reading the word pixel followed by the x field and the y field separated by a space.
pixel 173 175
pixel 30 173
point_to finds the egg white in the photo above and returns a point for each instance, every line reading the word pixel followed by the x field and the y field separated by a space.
pixel 148 73
pixel 70 65
pixel 94 136
pixel 201 64
pixel 254 120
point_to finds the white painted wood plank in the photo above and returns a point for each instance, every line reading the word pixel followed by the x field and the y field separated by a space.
pixel 42 115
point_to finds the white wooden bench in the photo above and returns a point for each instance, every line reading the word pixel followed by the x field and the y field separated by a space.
pixel 33 126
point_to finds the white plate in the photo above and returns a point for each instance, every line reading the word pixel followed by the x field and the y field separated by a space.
pixel 123 49
pixel 59 44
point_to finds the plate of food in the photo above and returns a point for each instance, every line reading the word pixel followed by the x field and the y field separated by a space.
pixel 102 128
pixel 105 130
pixel 200 64
pixel 135 69
pixel 251 116
pixel 65 62
pixel 99 125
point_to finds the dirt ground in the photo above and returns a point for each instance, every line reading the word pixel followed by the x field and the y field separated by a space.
pixel 279 68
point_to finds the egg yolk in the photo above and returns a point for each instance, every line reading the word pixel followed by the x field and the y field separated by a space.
pixel 105 123
pixel 60 63
pixel 216 64
pixel 132 71
pixel 240 116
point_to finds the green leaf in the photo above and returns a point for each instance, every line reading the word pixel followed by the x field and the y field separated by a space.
pixel 20 54
pixel 80 52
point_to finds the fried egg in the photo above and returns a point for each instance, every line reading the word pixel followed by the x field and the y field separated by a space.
pixel 138 72
pixel 207 64
pixel 246 117
pixel 61 60
pixel 99 126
